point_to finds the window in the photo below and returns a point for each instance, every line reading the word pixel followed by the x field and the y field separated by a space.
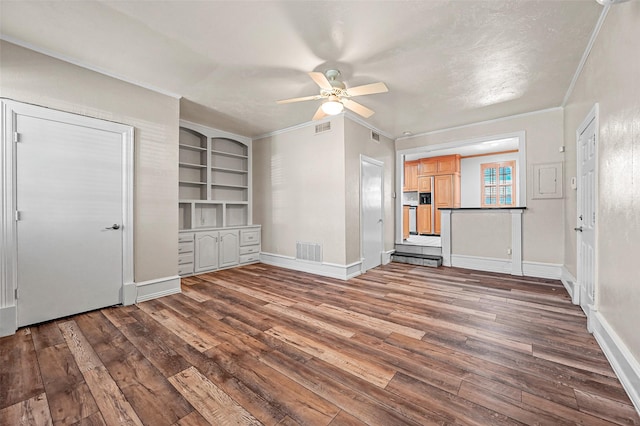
pixel 498 184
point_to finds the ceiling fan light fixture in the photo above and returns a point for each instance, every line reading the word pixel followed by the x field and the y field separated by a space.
pixel 332 106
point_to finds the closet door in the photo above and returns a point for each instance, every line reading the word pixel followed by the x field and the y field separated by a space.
pixel 69 195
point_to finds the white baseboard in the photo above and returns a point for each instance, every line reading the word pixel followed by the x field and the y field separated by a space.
pixel 571 284
pixel 153 289
pixel 626 367
pixel 542 270
pixel 8 320
pixel 129 293
pixel 386 256
pixel 505 266
pixel 487 264
pixel 342 272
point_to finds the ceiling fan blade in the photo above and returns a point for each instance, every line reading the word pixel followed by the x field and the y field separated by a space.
pixel 357 108
pixel 319 114
pixel 304 98
pixel 321 80
pixel 368 89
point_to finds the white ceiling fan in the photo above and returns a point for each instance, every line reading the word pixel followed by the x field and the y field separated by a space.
pixel 337 95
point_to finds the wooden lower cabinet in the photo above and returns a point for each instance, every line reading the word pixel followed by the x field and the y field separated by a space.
pixel 446 194
pixel 424 219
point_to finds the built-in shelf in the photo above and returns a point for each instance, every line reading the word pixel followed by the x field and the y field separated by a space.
pixel 191 147
pixel 229 154
pixel 192 166
pixel 222 169
pixel 214 178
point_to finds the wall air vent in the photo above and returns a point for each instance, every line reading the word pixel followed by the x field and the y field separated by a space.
pixel 323 127
pixel 375 136
pixel 309 251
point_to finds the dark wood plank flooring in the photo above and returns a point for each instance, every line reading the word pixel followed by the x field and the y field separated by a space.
pixel 263 345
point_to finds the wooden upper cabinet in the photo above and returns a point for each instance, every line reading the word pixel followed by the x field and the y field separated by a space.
pixel 449 164
pixel 424 184
pixel 410 176
pixel 428 167
pixel 443 165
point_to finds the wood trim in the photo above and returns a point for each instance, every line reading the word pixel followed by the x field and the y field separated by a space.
pixel 496 165
pixel 490 153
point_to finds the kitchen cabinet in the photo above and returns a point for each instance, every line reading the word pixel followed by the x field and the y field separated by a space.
pixel 405 222
pixel 424 219
pixel 424 184
pixel 449 164
pixel 410 176
pixel 443 165
pixel 428 166
pixel 446 194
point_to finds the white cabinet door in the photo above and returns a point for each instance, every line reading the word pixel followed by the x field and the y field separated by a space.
pixel 229 248
pixel 206 251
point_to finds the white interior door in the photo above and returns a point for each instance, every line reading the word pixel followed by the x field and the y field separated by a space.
pixel 372 214
pixel 69 195
pixel 586 221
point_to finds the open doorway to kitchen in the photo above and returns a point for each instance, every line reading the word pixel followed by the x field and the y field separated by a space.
pixel 484 172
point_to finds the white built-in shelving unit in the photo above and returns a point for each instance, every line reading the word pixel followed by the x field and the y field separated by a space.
pixel 214 185
pixel 214 178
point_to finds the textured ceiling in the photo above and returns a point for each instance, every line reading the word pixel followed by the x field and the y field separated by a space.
pixel 446 63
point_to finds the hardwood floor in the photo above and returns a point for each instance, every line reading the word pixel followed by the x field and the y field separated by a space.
pixel 263 345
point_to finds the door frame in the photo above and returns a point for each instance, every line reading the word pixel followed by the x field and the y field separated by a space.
pixel 592 116
pixel 364 158
pixel 10 109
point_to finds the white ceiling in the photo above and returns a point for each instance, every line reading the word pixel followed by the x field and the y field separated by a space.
pixel 446 62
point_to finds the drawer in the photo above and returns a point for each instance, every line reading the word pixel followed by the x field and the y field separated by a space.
pixel 185 238
pixel 186 269
pixel 249 249
pixel 185 247
pixel 252 257
pixel 249 237
pixel 185 258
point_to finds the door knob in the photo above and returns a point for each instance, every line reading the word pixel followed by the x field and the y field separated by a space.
pixel 114 226
pixel 579 229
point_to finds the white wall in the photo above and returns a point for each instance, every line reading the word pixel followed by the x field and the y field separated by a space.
pixel 306 187
pixel 470 181
pixel 543 225
pixel 610 78
pixel 299 190
pixel 34 78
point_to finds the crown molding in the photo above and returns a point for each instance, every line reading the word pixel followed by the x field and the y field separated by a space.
pixel 479 123
pixel 586 53
pixel 81 64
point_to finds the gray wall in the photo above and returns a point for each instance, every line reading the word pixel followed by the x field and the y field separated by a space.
pixel 610 78
pixel 34 78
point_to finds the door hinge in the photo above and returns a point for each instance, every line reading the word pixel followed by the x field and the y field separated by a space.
pixel 18 215
pixel 15 294
pixel 16 137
